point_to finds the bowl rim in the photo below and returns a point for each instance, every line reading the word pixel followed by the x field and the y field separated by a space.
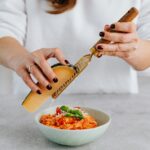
pixel 39 114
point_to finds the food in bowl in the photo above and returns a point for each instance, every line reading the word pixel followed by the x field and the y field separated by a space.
pixel 69 118
pixel 74 137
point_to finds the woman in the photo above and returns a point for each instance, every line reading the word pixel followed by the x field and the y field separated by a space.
pixel 31 31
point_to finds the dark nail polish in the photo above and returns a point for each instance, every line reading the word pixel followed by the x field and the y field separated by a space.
pixel 49 87
pixel 99 47
pixel 55 80
pixel 102 34
pixel 38 92
pixel 67 62
pixel 113 26
pixel 99 56
pixel 61 1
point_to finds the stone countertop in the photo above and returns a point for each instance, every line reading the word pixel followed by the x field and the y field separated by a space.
pixel 129 130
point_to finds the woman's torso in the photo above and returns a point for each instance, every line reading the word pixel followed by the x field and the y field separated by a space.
pixel 75 32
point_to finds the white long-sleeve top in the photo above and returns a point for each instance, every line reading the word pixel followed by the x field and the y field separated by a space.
pixel 74 32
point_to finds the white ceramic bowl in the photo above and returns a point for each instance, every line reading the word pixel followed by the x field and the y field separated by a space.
pixel 75 137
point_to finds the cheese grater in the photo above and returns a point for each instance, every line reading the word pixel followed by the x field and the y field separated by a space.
pixel 85 60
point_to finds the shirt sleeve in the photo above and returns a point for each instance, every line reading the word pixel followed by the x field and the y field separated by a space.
pixel 13 19
pixel 144 20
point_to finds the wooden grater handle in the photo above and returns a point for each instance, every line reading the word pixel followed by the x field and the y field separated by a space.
pixel 128 17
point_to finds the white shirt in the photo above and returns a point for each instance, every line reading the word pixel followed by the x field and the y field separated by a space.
pixel 74 32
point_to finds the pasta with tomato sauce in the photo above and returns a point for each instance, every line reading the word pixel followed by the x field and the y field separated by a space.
pixel 70 119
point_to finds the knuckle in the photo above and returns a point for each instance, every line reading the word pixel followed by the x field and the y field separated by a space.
pixel 136 40
pixel 19 69
pixel 110 47
pixel 135 46
pixel 132 27
pixel 123 38
pixel 57 50
pixel 118 47
pixel 37 59
pixel 41 61
pixel 44 82
pixel 33 70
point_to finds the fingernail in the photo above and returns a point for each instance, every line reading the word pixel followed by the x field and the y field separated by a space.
pixel 67 62
pixel 99 56
pixel 55 80
pixel 113 26
pixel 102 34
pixel 61 1
pixel 49 87
pixel 106 26
pixel 38 92
pixel 99 47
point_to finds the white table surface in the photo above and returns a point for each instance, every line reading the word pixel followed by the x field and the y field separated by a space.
pixel 129 130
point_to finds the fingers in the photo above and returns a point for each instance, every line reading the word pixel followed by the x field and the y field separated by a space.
pixel 107 27
pixel 37 65
pixel 123 40
pixel 126 27
pixel 57 53
pixel 117 47
pixel 121 54
pixel 35 71
pixel 40 57
pixel 28 81
pixel 119 37
pixel 45 68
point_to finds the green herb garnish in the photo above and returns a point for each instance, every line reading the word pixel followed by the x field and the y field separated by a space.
pixel 64 108
pixel 72 112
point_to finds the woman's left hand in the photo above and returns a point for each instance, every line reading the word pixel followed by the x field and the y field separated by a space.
pixel 124 41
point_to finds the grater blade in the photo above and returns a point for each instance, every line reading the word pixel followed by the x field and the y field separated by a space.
pixel 79 67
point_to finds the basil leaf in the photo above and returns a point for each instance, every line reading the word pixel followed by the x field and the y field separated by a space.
pixel 64 108
pixel 71 112
pixel 69 115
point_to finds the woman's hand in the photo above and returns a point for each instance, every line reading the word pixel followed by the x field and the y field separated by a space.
pixel 35 64
pixel 125 43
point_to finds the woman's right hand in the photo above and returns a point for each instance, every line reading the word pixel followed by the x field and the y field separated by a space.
pixel 35 64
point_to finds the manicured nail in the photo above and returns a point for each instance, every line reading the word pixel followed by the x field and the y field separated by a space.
pixel 55 80
pixel 107 27
pixel 102 34
pixel 49 87
pixel 38 92
pixel 61 1
pixel 99 56
pixel 113 26
pixel 99 47
pixel 67 62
